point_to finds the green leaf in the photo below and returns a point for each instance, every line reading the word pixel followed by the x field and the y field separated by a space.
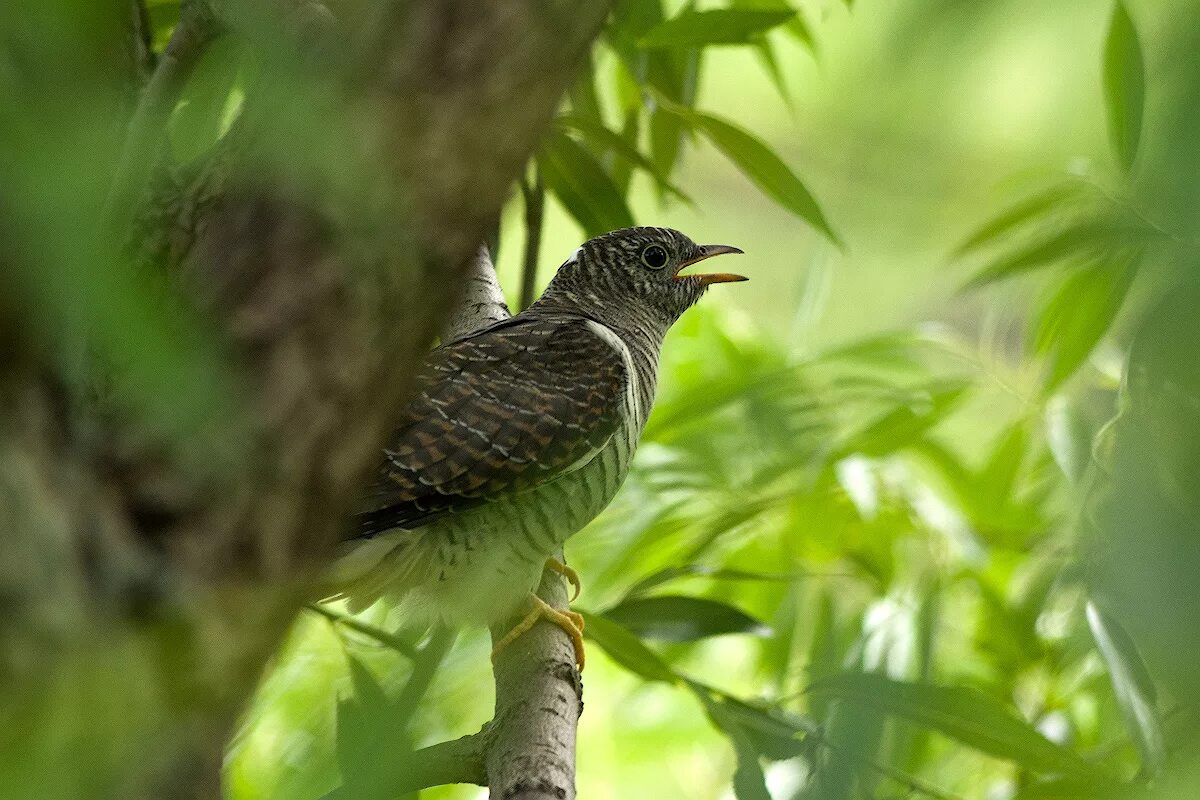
pixel 198 121
pixel 367 735
pixel 626 649
pixel 768 171
pixel 965 714
pixel 580 182
pixel 1091 236
pixel 702 571
pixel 905 424
pixel 676 618
pixel 773 734
pixel 1124 85
pixel 603 138
pixel 1027 210
pixel 1076 318
pixel 714 27
pixel 1132 686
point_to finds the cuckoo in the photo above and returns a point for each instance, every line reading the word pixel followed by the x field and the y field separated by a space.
pixel 521 433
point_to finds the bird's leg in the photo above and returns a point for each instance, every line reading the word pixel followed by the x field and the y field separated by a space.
pixel 569 621
pixel 554 565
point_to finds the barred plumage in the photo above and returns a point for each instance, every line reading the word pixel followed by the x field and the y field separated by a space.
pixel 518 435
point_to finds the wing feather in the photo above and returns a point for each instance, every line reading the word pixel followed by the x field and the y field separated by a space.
pixel 499 412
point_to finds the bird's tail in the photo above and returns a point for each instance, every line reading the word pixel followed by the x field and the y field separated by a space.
pixel 391 563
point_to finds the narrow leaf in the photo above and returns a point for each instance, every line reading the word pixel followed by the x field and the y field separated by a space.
pixel 703 571
pixel 905 424
pixel 1077 317
pixel 1124 85
pixel 968 715
pixel 603 138
pixel 768 171
pixel 1087 237
pixel 675 618
pixel 714 27
pixel 1132 686
pixel 580 182
pixel 1027 210
pixel 626 649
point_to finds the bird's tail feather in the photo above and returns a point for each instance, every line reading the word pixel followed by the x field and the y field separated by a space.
pixel 390 564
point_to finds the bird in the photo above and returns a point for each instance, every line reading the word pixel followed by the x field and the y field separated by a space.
pixel 520 434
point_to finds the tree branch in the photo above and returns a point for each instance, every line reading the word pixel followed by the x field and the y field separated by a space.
pixel 318 253
pixel 539 697
pixel 196 29
pixel 530 748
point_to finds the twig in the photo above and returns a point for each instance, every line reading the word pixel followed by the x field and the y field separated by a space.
pixel 381 636
pixel 910 782
pixel 482 301
pixel 456 761
pixel 425 666
pixel 196 29
pixel 533 192
pixel 539 697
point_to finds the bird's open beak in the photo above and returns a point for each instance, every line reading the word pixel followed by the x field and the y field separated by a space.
pixel 708 251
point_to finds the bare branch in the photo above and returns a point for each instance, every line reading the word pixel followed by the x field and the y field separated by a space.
pixel 539 697
pixel 482 302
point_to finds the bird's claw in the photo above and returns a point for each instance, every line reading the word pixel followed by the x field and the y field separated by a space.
pixel 554 565
pixel 570 621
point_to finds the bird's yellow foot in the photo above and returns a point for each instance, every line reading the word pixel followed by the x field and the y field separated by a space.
pixel 554 565
pixel 569 621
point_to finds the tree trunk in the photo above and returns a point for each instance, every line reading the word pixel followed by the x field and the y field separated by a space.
pixel 174 478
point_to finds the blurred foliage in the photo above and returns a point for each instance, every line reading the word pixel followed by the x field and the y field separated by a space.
pixel 917 514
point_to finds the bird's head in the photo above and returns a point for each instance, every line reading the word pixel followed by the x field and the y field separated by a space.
pixel 638 271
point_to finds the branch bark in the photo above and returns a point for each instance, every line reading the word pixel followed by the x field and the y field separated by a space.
pixel 137 552
pixel 539 697
pixel 529 746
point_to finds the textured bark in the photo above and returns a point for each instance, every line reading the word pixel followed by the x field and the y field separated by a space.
pixel 539 697
pixel 171 561
pixel 528 749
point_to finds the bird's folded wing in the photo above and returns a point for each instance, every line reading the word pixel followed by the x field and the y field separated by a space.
pixel 497 413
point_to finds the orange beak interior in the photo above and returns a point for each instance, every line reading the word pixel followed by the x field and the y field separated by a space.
pixel 706 279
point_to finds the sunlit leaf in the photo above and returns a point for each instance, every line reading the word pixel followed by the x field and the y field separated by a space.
pixel 773 734
pixel 1077 316
pixel 714 27
pixel 965 714
pixel 1085 238
pixel 603 138
pixel 626 649
pixel 1132 685
pixel 702 571
pixel 676 618
pixel 764 167
pixel 1124 85
pixel 580 182
pixel 1031 209
pixel 906 423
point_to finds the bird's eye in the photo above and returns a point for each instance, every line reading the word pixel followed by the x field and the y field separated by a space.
pixel 654 256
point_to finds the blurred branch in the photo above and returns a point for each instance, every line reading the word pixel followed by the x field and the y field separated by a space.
pixel 196 29
pixel 533 192
pixel 319 284
pixel 456 761
pixel 143 38
pixel 383 637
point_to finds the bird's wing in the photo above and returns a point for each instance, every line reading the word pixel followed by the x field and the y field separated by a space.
pixel 498 412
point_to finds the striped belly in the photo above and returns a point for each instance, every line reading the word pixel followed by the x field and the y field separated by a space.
pixel 485 561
